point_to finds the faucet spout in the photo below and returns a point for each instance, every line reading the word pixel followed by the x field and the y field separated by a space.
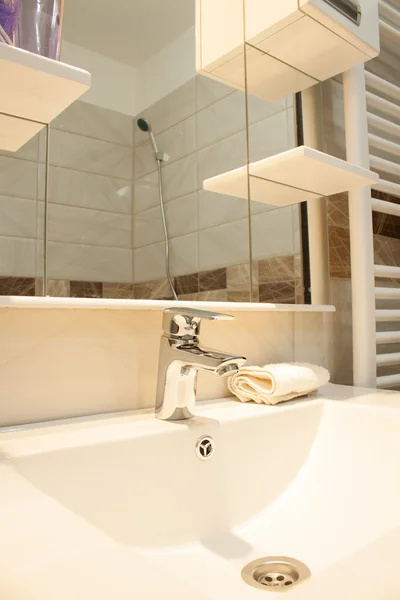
pixel 181 358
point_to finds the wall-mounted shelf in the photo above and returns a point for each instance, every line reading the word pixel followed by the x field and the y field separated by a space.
pixel 290 44
pixel 35 89
pixel 291 177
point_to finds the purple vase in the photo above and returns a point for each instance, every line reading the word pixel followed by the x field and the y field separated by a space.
pixel 40 27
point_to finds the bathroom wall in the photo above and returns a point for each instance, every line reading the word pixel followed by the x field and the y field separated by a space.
pixel 90 208
pixel 21 194
pixel 115 85
pixel 106 360
pixel 104 225
pixel 202 126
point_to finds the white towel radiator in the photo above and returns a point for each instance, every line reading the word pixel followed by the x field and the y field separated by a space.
pixel 372 111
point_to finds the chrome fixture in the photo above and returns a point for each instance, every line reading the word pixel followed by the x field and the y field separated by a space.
pixel 275 573
pixel 181 358
pixel 205 447
pixel 161 157
pixel 146 127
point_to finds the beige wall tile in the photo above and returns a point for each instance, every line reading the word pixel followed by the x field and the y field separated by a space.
pixel 218 209
pixel 221 119
pixel 87 154
pixel 88 263
pixel 181 216
pixel 180 177
pixel 224 245
pixel 149 261
pixel 19 178
pixel 270 136
pixel 177 142
pixel 333 118
pixel 340 333
pixel 170 110
pixel 103 361
pixel 96 122
pixel 145 192
pixel 311 342
pixel 209 91
pixel 18 217
pixel 17 256
pixel 272 233
pixel 222 156
pixel 90 227
pixel 29 151
pixel 88 190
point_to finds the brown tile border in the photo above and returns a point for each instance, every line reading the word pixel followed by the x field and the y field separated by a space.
pixel 160 289
pixel 86 289
pixel 187 284
pixel 280 292
pixel 339 252
pixel 238 277
pixel 236 296
pixel 386 250
pixel 338 210
pixel 276 268
pixel 17 286
pixel 384 196
pixel 215 279
pixel 213 296
pixel 280 278
pixel 123 291
pixel 143 290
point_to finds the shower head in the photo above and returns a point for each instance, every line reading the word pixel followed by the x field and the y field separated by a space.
pixel 146 127
pixel 143 125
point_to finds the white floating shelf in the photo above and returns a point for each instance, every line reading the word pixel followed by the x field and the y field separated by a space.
pixel 290 177
pixel 36 89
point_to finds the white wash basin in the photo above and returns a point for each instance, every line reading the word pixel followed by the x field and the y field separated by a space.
pixel 120 507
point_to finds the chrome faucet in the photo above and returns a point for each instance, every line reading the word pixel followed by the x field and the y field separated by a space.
pixel 181 358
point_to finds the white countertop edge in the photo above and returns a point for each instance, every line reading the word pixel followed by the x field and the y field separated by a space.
pixel 115 304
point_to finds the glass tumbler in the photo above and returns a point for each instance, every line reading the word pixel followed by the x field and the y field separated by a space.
pixel 40 27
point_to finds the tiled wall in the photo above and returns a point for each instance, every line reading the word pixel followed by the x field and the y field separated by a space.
pixel 201 125
pixel 105 235
pixel 90 208
pixel 90 211
pixel 21 193
pixel 106 360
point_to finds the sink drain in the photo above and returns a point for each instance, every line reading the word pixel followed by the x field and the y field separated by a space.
pixel 275 573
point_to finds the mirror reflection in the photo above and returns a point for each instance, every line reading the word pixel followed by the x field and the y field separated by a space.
pixel 128 212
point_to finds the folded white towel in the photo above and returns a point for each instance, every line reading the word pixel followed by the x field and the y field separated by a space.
pixel 275 383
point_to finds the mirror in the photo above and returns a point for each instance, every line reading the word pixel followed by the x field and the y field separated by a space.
pixel 275 230
pixel 148 112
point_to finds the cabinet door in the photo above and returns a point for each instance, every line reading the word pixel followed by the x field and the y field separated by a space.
pixel 340 17
pixel 220 32
pixel 266 17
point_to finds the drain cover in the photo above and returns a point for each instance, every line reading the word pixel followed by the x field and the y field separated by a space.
pixel 275 573
pixel 205 447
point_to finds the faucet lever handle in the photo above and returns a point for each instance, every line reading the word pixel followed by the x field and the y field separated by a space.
pixel 185 322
